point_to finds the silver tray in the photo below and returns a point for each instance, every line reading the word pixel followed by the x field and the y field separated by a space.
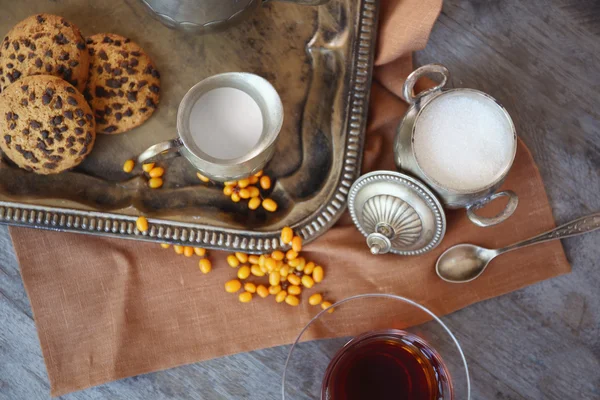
pixel 319 59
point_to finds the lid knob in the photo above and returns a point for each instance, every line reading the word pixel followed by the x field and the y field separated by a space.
pixel 378 243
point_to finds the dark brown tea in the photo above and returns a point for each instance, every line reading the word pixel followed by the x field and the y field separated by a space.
pixel 387 365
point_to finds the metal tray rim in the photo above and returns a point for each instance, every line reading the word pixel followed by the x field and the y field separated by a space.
pixel 124 227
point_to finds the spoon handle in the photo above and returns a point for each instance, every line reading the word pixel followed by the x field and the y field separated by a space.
pixel 576 227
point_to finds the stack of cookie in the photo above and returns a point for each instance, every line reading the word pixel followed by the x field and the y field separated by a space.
pixel 58 90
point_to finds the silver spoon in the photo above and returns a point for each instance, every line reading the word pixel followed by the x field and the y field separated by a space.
pixel 465 262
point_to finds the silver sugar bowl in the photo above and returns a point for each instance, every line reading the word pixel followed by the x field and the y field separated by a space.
pixel 407 160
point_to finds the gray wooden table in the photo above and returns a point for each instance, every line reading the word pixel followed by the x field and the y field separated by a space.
pixel 541 59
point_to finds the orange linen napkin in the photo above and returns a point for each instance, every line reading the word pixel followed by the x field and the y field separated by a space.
pixel 107 309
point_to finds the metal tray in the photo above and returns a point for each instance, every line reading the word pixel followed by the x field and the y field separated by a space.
pixel 320 61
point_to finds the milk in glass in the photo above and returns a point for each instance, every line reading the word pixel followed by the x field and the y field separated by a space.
pixel 226 123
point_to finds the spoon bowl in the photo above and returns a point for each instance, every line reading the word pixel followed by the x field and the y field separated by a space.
pixel 463 263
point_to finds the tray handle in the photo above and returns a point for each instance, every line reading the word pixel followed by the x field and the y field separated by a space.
pixel 162 150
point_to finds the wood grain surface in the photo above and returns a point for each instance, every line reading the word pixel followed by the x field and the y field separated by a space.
pixel 541 59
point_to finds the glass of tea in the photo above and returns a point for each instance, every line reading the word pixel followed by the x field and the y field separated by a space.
pixel 379 346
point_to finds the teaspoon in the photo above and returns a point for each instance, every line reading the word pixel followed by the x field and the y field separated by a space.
pixel 465 262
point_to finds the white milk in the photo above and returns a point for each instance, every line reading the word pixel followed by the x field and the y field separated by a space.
pixel 226 123
pixel 463 141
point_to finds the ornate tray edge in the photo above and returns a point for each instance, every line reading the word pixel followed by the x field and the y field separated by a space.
pixel 124 227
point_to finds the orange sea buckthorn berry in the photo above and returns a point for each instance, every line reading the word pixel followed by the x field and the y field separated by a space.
pixel 233 261
pixel 243 257
pixel 205 265
pixel 245 297
pixel 278 255
pixel 244 193
pixel 315 299
pixel 318 274
pixel 141 224
pixel 291 254
pixel 156 172
pixel 274 278
pixel 256 271
pixel 265 182
pixel 280 297
pixel 188 251
pixel 253 190
pixel 228 190
pixel 250 287
pixel 243 272
pixel 295 290
pixel 233 286
pixel 297 244
pixel 155 183
pixel 202 177
pixel 128 166
pixel 307 281
pixel 309 268
pixel 254 203
pixel 262 291
pixel 270 263
pixel 274 289
pixel 325 305
pixel 294 279
pixel 269 205
pixel 292 300
pixel 148 167
pixel 287 234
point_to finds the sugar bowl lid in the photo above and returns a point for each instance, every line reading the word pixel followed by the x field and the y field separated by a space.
pixel 396 213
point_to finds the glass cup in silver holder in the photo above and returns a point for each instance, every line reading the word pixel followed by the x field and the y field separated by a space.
pixel 208 153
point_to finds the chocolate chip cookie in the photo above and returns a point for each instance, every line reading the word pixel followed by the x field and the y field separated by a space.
pixel 46 126
pixel 124 85
pixel 44 44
